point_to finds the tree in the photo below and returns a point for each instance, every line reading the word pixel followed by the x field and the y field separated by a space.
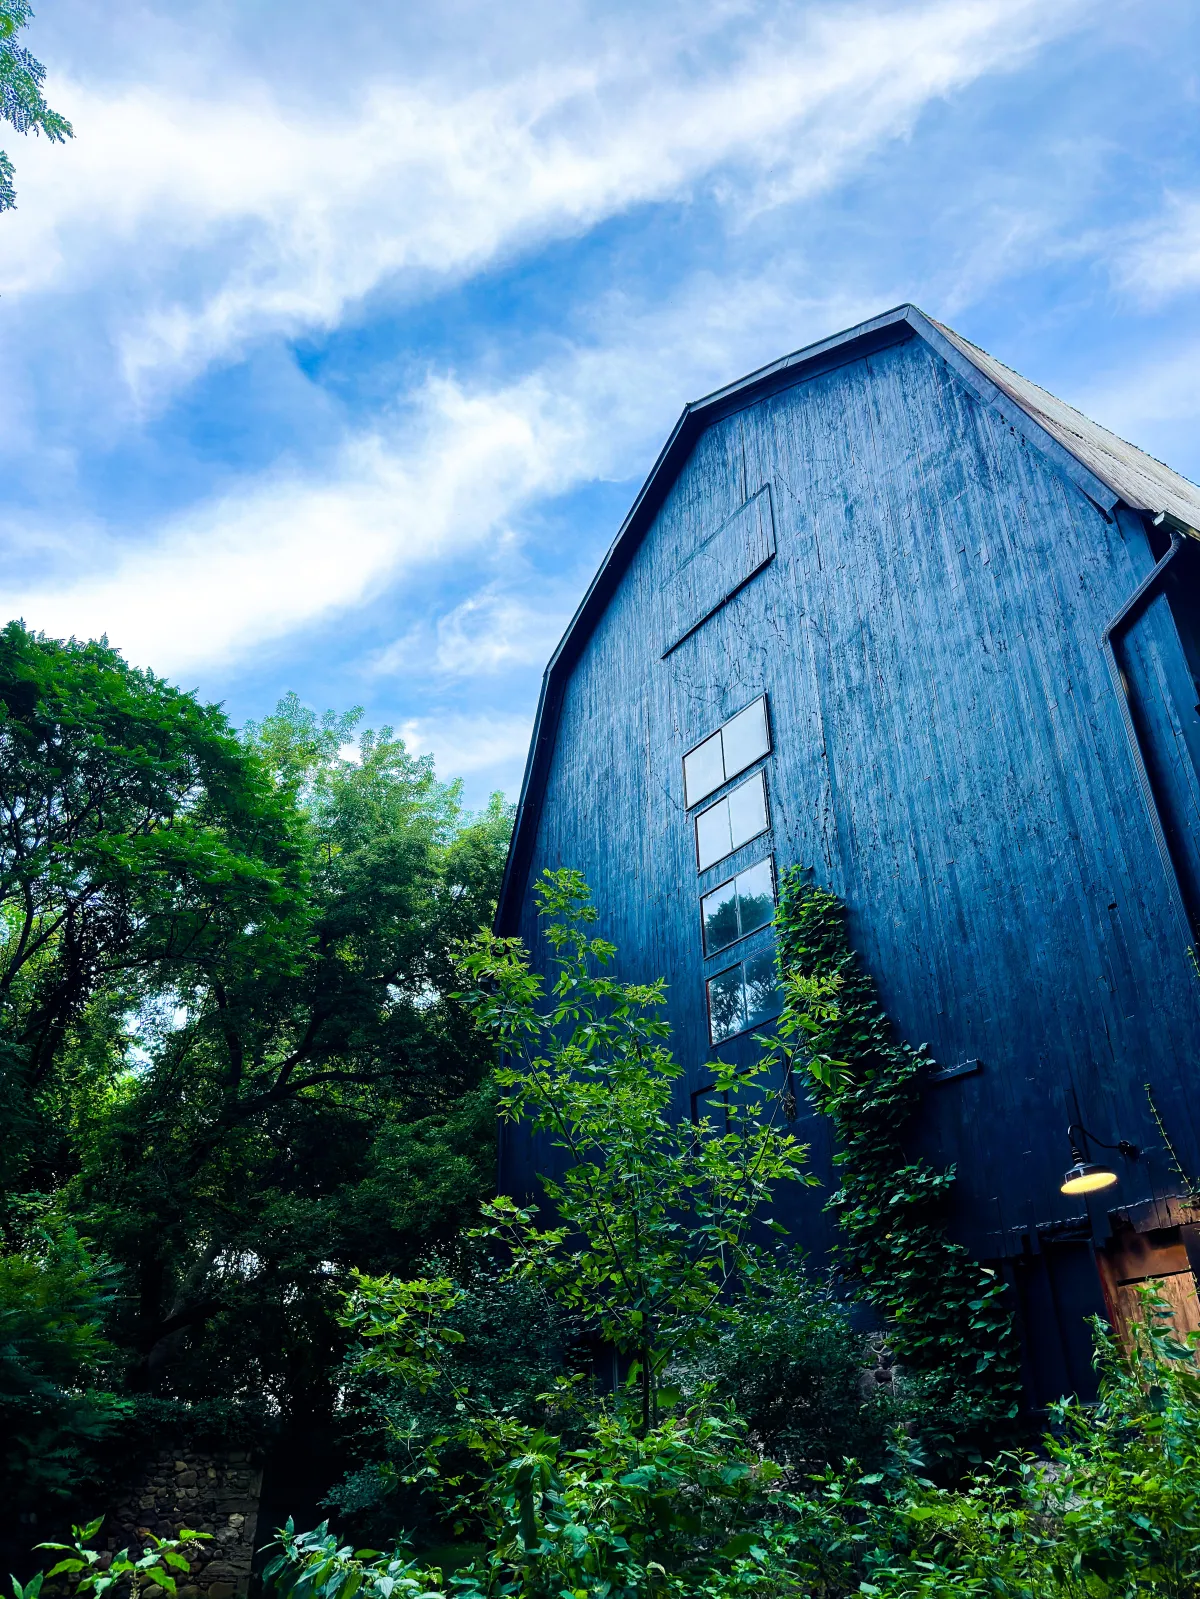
pixel 21 100
pixel 138 846
pixel 652 1248
pixel 313 1103
pixel 229 1050
pixel 656 1218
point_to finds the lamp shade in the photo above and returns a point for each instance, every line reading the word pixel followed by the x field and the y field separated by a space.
pixel 1085 1177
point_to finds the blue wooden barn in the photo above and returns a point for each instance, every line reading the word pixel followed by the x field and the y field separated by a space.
pixel 888 610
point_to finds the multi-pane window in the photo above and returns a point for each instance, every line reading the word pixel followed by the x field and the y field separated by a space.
pixel 743 996
pixel 741 906
pixel 732 821
pixel 744 739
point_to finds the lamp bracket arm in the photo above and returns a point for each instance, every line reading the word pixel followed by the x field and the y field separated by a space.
pixel 1122 1146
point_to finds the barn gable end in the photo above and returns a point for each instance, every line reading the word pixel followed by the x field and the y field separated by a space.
pixel 879 538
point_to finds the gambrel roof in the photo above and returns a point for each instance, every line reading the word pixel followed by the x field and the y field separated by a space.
pixel 1108 470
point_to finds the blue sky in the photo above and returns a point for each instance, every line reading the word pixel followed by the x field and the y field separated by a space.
pixel 337 343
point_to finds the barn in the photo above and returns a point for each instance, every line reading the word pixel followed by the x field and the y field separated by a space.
pixel 888 610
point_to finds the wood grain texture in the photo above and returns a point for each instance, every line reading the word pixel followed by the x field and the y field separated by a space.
pixel 948 758
pixel 710 575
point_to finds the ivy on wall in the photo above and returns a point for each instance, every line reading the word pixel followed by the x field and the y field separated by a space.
pixel 948 1316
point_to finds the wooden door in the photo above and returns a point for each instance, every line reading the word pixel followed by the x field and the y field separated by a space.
pixel 1133 1261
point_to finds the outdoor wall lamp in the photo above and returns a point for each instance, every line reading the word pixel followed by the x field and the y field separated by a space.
pixel 1085 1176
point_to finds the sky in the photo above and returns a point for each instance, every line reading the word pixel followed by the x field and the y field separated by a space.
pixel 337 343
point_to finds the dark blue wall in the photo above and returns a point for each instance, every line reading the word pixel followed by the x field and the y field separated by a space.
pixel 949 759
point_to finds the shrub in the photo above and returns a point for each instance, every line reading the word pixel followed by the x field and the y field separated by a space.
pixel 793 1368
pixel 55 1364
pixel 513 1344
pixel 689 1508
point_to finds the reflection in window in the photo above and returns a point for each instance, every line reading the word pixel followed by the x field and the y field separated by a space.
pixel 703 769
pixel 743 996
pixel 726 1008
pixel 742 905
pixel 732 821
pixel 719 917
pixel 728 751
pixel 762 987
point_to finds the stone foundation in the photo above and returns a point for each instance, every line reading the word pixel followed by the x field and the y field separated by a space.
pixel 213 1493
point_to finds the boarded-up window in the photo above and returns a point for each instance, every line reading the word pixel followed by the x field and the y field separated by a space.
pixel 724 563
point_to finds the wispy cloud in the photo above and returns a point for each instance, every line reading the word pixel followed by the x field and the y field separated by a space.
pixel 215 585
pixel 232 574
pixel 467 744
pixel 1162 258
pixel 223 220
pixel 485 634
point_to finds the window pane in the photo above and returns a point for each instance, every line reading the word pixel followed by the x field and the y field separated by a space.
pixel 745 737
pixel 747 811
pixel 762 988
pixel 725 1013
pixel 702 770
pixel 756 896
pixel 712 835
pixel 718 913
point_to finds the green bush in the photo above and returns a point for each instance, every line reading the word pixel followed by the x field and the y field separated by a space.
pixel 514 1343
pixel 793 1369
pixel 158 1569
pixel 55 1369
pixel 1111 1511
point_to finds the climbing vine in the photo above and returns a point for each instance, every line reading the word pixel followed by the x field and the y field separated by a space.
pixel 948 1316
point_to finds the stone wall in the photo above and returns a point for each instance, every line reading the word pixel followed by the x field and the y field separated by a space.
pixel 213 1493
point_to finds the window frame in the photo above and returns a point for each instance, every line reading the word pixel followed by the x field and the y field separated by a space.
pixel 768 860
pixel 691 805
pixel 738 965
pixel 761 774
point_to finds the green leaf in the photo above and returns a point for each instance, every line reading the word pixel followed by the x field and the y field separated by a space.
pixel 740 1545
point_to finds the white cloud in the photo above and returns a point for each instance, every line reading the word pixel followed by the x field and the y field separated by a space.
pixel 216 221
pixel 488 632
pixel 1163 258
pixel 233 574
pixel 489 742
pixel 213 586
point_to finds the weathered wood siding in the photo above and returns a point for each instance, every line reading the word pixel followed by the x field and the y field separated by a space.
pixel 948 758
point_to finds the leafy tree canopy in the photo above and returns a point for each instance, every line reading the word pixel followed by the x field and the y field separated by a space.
pixel 229 1046
pixel 21 100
